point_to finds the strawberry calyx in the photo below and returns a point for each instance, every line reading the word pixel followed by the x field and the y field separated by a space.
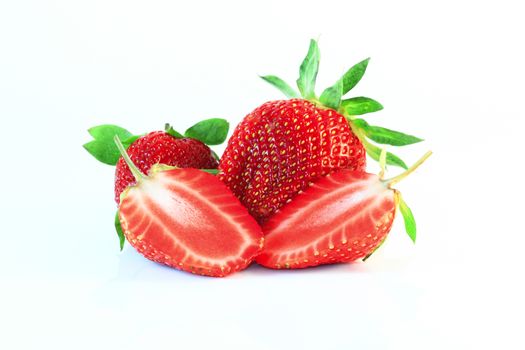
pixel 406 212
pixel 332 98
pixel 211 132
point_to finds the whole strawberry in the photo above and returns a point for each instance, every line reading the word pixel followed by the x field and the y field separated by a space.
pixel 281 147
pixel 159 147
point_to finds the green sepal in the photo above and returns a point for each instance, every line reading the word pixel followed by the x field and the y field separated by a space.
pixel 308 71
pixel 211 171
pixel 280 84
pixel 127 142
pixel 408 217
pixel 375 153
pixel 118 228
pixel 103 147
pixel 384 135
pixel 331 97
pixel 108 131
pixel 210 131
pixel 354 75
pixel 360 105
pixel 169 130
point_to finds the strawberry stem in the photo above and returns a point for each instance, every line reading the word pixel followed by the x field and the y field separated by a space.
pixel 382 163
pixel 391 182
pixel 134 170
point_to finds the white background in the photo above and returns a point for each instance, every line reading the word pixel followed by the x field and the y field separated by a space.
pixel 449 71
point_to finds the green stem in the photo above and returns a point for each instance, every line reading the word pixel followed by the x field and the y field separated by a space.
pixel 134 170
pixel 382 163
pixel 391 182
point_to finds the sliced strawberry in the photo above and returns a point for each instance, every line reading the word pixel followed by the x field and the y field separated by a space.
pixel 188 219
pixel 340 218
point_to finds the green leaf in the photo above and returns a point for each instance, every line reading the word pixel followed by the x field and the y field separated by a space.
pixel 103 147
pixel 169 129
pixel 108 131
pixel 127 142
pixel 354 75
pixel 308 71
pixel 104 151
pixel 331 97
pixel 281 85
pixel 408 217
pixel 375 153
pixel 210 131
pixel 211 171
pixel 384 135
pixel 382 161
pixel 120 234
pixel 360 105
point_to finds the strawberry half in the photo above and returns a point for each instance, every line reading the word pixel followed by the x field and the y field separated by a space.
pixel 187 219
pixel 340 218
pixel 281 147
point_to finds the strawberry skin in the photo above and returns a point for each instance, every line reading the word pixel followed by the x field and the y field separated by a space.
pixel 160 147
pixel 342 217
pixel 280 148
pixel 188 219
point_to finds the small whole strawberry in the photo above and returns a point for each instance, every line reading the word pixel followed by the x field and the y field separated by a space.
pixel 342 217
pixel 283 146
pixel 158 147
pixel 187 219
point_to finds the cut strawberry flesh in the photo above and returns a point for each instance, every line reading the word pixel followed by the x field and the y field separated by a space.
pixel 340 218
pixel 188 219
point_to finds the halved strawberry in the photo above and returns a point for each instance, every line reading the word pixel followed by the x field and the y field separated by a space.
pixel 340 218
pixel 189 220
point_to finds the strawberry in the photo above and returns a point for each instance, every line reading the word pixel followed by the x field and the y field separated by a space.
pixel 281 147
pixel 187 219
pixel 167 147
pixel 160 147
pixel 340 218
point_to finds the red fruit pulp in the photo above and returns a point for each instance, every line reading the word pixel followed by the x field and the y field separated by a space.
pixel 340 218
pixel 188 219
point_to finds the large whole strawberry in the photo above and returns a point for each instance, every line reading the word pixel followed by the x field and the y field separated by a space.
pixel 283 146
